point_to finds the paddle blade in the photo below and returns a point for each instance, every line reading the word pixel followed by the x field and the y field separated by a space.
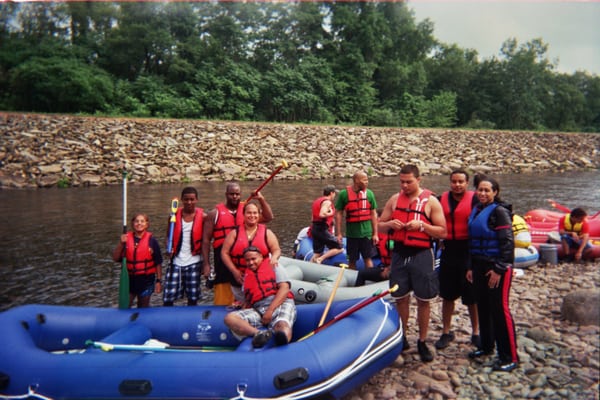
pixel 124 286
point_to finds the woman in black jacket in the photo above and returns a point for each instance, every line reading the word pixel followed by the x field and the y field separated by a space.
pixel 491 245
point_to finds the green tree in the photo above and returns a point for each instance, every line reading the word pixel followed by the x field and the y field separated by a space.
pixel 57 84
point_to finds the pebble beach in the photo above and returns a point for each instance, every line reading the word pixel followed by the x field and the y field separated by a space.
pixel 559 359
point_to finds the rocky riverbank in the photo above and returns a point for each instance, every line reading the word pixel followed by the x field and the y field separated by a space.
pixel 559 359
pixel 51 150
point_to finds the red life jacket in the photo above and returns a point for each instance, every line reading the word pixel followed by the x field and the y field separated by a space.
pixel 316 210
pixel 226 222
pixel 139 258
pixel 261 283
pixel 241 242
pixel 405 212
pixel 196 238
pixel 457 219
pixel 383 247
pixel 358 208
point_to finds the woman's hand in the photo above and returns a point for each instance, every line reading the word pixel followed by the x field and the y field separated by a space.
pixel 493 279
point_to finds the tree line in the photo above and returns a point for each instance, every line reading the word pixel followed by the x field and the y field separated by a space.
pixel 364 63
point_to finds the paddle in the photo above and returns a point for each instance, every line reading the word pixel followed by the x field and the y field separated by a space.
pixel 559 206
pixel 361 304
pixel 332 295
pixel 284 164
pixel 154 347
pixel 124 279
pixel 172 220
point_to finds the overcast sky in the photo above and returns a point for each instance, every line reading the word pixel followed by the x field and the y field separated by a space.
pixel 571 29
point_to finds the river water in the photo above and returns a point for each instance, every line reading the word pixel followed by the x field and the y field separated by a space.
pixel 56 244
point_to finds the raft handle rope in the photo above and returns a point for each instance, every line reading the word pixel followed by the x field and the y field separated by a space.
pixel 340 376
pixel 31 394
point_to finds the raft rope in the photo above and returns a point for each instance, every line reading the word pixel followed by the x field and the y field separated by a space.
pixel 365 356
pixel 31 394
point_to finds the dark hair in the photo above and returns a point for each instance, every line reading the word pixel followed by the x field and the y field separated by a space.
pixel 327 190
pixel 251 248
pixel 460 171
pixel 410 169
pixel 478 177
pixel 495 186
pixel 578 213
pixel 189 190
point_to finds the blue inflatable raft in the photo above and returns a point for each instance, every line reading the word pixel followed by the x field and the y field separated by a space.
pixel 91 353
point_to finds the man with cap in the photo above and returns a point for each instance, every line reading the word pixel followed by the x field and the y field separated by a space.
pixel 321 228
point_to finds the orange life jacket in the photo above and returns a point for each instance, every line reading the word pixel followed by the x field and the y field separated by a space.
pixel 139 257
pixel 457 219
pixel 408 211
pixel 316 210
pixel 226 222
pixel 358 208
pixel 261 283
pixel 197 227
pixel 241 242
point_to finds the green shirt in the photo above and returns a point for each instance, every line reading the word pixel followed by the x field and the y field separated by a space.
pixel 363 229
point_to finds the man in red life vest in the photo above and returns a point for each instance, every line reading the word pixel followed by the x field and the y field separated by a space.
pixel 218 223
pixel 322 227
pixel 268 303
pixel 360 207
pixel 415 217
pixel 457 204
pixel 183 275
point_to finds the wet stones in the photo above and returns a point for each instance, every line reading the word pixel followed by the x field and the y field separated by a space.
pixel 50 150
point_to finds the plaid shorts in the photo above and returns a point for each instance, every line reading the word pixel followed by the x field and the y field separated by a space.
pixel 182 279
pixel 285 312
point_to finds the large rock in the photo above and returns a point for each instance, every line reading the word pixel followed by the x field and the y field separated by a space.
pixel 582 307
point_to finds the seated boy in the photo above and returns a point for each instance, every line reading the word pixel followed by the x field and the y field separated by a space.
pixel 268 302
pixel 574 233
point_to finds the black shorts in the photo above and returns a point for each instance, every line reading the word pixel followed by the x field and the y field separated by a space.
pixel 141 285
pixel 322 237
pixel 453 272
pixel 356 247
pixel 413 269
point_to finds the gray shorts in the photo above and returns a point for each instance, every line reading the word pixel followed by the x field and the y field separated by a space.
pixel 285 312
pixel 413 270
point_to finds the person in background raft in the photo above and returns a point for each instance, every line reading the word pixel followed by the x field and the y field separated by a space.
pixel 491 245
pixel 361 220
pixel 144 261
pixel 218 223
pixel 457 204
pixel 416 218
pixel 321 228
pixel 183 275
pixel 268 302
pixel 574 231
pixel 250 233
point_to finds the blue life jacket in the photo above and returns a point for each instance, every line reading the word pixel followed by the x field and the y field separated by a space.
pixel 483 240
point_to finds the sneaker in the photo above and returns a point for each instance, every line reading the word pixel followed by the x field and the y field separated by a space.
pixel 444 341
pixel 476 341
pixel 504 367
pixel 280 338
pixel 261 338
pixel 424 352
pixel 405 344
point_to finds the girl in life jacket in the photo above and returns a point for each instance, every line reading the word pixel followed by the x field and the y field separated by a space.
pixel 144 259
